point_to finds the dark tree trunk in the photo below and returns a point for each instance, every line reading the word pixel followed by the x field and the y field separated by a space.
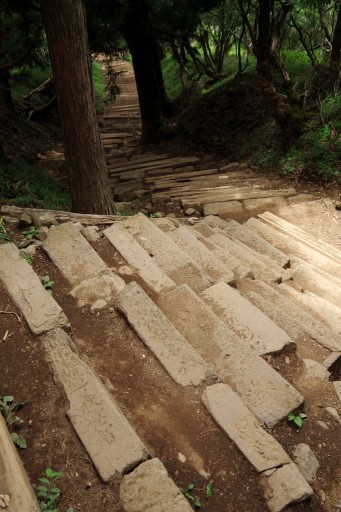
pixel 290 117
pixel 138 35
pixel 6 100
pixel 84 156
pixel 336 47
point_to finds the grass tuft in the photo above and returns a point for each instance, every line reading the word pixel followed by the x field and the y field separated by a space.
pixel 24 185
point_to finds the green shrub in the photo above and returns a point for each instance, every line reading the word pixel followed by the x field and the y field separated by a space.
pixel 24 185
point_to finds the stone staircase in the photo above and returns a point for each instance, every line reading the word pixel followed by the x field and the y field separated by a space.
pixel 218 314
pixel 151 176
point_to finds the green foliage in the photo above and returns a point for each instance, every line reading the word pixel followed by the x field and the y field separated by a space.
pixel 4 237
pixel 48 492
pixel 297 418
pixel 8 409
pixel 24 185
pixel 99 86
pixel 31 232
pixel 27 78
pixel 317 153
pixel 26 257
pixel 209 489
pixel 47 284
pixel 188 494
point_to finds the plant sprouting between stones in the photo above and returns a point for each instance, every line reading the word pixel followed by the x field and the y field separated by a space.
pixel 48 492
pixel 8 410
pixel 297 418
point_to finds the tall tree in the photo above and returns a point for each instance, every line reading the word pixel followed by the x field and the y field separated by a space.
pixel 84 156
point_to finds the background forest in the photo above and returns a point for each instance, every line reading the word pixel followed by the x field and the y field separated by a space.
pixel 254 80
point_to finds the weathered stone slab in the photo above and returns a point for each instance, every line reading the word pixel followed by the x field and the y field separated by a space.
pixel 255 328
pixel 171 349
pixel 138 258
pixel 72 254
pixel 301 198
pixel 260 269
pixel 41 311
pixel 257 243
pixel 200 254
pixel 264 391
pixel 109 439
pixel 149 489
pixel 254 206
pixel 315 370
pixel 14 483
pixel 290 245
pixel 224 208
pixel 316 306
pixel 166 253
pixel 275 312
pixel 306 461
pixel 91 234
pixel 303 320
pixel 316 283
pixel 230 412
pixel 337 386
pixel 302 236
pixel 104 287
pixel 284 487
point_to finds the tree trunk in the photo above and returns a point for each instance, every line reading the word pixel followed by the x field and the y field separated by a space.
pixel 84 156
pixel 138 35
pixel 6 101
pixel 336 47
pixel 289 117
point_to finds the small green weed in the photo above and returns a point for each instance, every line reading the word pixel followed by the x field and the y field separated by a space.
pixel 297 418
pixel 3 233
pixel 8 409
pixel 47 284
pixel 26 257
pixel 209 489
pixel 48 493
pixel 188 494
pixel 31 232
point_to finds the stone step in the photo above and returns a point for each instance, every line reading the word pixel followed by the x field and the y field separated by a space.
pixel 81 265
pixel 239 194
pixel 169 347
pixel 240 270
pixel 295 261
pixel 180 176
pixel 170 162
pixel 264 391
pixel 247 321
pixel 260 269
pixel 302 236
pixel 200 254
pixel 232 415
pixel 284 487
pixel 315 306
pixel 40 310
pixel 316 283
pixel 166 253
pixel 107 436
pixel 138 258
pixel 15 489
pixel 257 243
pixel 149 489
pixel 295 316
pixel 289 245
pixel 281 481
pixel 267 268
